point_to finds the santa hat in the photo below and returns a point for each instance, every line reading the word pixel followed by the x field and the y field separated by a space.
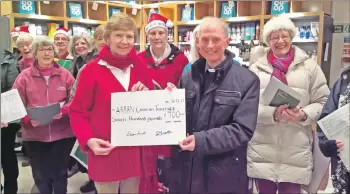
pixel 19 30
pixel 157 20
pixel 61 31
pixel 278 23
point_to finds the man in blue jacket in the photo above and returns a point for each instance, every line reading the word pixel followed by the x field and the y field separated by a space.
pixel 222 102
pixel 339 96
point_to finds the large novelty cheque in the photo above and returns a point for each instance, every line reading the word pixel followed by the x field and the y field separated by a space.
pixel 148 118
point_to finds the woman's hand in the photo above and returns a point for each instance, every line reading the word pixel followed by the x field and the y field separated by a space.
pixel 58 116
pixel 100 147
pixel 295 114
pixel 278 112
pixel 35 123
pixel 162 188
pixel 3 124
pixel 170 86
pixel 139 87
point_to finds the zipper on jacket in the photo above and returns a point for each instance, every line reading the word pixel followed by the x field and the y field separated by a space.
pixel 48 102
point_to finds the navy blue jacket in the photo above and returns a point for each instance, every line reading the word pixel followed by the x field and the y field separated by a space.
pixel 222 119
pixel 329 147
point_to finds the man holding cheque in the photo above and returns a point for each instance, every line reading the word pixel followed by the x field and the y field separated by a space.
pixel 221 112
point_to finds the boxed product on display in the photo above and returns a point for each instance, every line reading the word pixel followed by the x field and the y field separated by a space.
pixel 227 10
pixel 75 10
pixel 26 7
pixel 279 7
pixel 113 10
pixel 187 13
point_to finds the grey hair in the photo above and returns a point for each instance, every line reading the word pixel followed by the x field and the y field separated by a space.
pixel 42 41
pixel 213 21
pixel 24 38
pixel 86 37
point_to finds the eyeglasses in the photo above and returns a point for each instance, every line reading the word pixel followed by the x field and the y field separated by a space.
pixel 48 50
pixel 277 38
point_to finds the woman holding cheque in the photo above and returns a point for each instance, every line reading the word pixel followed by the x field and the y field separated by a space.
pixel 116 69
pixel 280 152
pixel 42 84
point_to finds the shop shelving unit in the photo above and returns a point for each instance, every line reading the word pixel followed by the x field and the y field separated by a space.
pixel 247 11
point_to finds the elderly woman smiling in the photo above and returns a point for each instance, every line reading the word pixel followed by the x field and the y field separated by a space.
pixel 279 154
pixel 24 44
pixel 49 145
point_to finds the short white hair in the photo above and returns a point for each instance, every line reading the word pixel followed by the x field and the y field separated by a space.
pixel 213 21
pixel 24 38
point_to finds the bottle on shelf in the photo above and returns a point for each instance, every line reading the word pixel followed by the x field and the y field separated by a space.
pixel 314 55
pixel 308 32
pixel 257 31
pixel 302 32
pixel 251 45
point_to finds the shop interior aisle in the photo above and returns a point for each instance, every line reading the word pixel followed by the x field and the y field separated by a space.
pixel 26 181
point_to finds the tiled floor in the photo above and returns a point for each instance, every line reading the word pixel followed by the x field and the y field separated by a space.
pixel 26 182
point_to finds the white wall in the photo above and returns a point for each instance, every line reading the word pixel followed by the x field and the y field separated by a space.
pixel 341 15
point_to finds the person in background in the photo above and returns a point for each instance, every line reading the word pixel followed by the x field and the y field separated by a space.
pixel 99 42
pixel 83 51
pixel 81 48
pixel 222 102
pixel 24 44
pixel 116 69
pixel 165 62
pixel 194 50
pixel 61 40
pixel 339 96
pixel 48 146
pixel 9 163
pixel 280 155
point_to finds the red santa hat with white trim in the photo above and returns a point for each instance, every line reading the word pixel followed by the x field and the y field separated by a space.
pixel 19 30
pixel 61 30
pixel 157 20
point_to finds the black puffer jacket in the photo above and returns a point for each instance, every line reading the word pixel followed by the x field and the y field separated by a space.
pixel 80 61
pixel 9 70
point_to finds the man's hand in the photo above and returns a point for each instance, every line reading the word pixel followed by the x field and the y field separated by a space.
pixel 340 145
pixel 189 143
pixel 100 146
pixel 278 112
pixel 4 124
pixel 170 86
pixel 139 87
pixel 35 123
pixel 295 114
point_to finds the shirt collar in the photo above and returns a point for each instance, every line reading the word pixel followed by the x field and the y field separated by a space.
pixel 207 67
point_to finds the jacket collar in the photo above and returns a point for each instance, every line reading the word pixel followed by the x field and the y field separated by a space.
pixel 169 60
pixel 299 57
pixel 34 71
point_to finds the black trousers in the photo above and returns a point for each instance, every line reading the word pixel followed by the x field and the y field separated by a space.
pixel 49 162
pixel 9 161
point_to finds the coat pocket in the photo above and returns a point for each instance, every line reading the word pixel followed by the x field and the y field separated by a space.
pixel 225 104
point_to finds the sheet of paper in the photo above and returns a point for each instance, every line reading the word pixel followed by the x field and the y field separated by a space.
pixel 277 93
pixel 336 126
pixel 12 107
pixel 44 114
pixel 148 118
pixel 79 155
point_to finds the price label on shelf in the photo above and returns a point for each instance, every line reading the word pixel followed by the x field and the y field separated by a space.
pixel 134 11
pixel 94 6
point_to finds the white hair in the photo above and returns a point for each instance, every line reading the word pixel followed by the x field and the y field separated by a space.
pixel 194 49
pixel 24 38
pixel 213 21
